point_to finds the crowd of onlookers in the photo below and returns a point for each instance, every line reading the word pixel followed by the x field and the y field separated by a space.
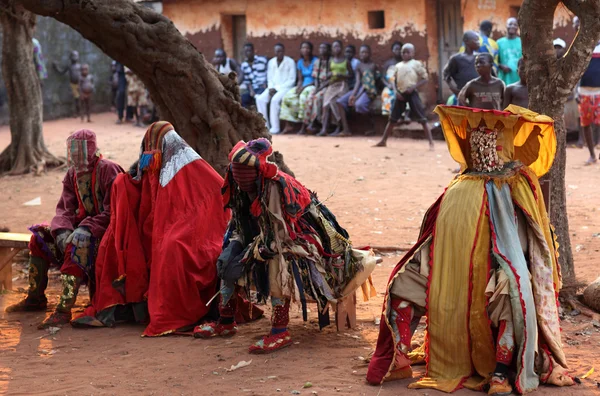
pixel 315 92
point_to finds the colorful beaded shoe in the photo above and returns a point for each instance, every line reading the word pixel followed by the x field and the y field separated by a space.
pixel 499 386
pixel 272 343
pixel 57 319
pixel 214 329
pixel 28 305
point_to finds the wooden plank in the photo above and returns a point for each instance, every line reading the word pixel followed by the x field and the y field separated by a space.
pixel 14 240
pixel 6 256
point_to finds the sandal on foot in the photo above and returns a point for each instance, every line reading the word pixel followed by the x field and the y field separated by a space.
pixel 209 330
pixel 272 343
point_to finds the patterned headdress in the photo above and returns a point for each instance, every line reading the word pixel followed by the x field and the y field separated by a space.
pixel 255 153
pixel 151 151
pixel 82 151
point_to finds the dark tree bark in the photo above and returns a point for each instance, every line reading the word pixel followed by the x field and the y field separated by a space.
pixel 202 105
pixel 550 82
pixel 27 150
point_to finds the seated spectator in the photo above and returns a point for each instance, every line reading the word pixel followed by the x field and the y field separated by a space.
pixel 367 74
pixel 281 76
pixel 254 76
pixel 225 65
pixel 340 69
pixel 350 53
pixel 294 101
pixel 314 103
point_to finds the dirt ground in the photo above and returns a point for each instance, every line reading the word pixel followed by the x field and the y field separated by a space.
pixel 378 194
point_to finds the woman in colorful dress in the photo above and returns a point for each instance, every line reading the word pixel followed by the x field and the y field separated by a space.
pixel 388 95
pixel 314 102
pixel 340 69
pixel 294 102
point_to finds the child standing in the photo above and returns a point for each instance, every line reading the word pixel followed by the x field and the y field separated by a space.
pixel 486 91
pixel 136 96
pixel 362 95
pixel 86 89
pixel 517 93
pixel 410 75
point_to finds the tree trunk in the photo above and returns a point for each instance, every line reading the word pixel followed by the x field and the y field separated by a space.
pixel 202 105
pixel 550 81
pixel 27 149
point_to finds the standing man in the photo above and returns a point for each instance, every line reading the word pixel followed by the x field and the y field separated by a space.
pixel 253 79
pixel 588 97
pixel 460 68
pixel 223 64
pixel 486 44
pixel 121 91
pixel 74 74
pixel 281 76
pixel 509 53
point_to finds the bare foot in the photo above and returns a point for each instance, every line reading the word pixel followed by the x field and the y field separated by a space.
pixel 89 120
pixel 302 130
pixel 381 144
pixel 322 133
pixel 344 134
pixel 287 130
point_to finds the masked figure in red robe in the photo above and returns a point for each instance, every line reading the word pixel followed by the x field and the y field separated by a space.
pixel 71 240
pixel 284 242
pixel 157 262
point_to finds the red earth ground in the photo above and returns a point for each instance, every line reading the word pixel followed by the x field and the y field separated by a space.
pixel 378 194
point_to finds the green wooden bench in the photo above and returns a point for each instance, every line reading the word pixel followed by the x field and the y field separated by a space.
pixel 10 245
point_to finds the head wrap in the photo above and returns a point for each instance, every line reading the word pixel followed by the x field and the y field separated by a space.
pixel 151 151
pixel 82 152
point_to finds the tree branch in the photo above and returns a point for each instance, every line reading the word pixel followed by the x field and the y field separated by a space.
pixel 578 57
pixel 186 89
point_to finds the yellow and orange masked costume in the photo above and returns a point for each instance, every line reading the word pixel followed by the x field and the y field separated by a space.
pixel 484 270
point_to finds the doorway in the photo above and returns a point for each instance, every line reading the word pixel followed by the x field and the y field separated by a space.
pixel 239 36
pixel 450 28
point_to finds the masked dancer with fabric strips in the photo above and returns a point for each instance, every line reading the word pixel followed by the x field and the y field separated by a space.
pixel 284 242
pixel 484 270
pixel 71 240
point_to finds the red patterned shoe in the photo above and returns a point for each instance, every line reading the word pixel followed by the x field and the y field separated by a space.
pixel 272 343
pixel 214 329
pixel 57 319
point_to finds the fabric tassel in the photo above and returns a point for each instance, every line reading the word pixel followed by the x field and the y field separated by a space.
pixel 256 208
pixel 150 161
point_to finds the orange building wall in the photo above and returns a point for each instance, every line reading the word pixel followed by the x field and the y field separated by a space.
pixel 206 24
